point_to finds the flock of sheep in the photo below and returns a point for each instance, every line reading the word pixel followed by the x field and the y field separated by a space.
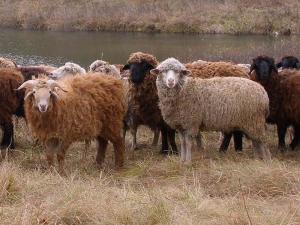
pixel 67 104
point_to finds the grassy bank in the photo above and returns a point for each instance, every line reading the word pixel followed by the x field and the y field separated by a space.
pixel 231 189
pixel 191 16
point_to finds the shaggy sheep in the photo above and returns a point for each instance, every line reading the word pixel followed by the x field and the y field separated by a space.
pixel 205 69
pixel 289 62
pixel 143 100
pixel 74 109
pixel 29 72
pixel 217 104
pixel 104 68
pixel 11 103
pixel 284 93
pixel 7 63
pixel 67 69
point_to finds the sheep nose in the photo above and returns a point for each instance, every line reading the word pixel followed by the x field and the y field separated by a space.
pixel 171 82
pixel 43 107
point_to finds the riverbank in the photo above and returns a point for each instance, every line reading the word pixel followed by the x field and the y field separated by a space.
pixel 188 16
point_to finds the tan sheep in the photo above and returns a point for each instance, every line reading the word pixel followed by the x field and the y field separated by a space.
pixel 217 104
pixel 74 109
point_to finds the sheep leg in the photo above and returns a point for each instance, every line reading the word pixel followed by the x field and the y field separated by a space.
pixel 171 138
pixel 225 142
pixel 50 158
pixel 296 138
pixel 238 140
pixel 119 148
pixel 189 147
pixel 102 146
pixel 281 131
pixel 61 161
pixel 262 150
pixel 199 141
pixel 182 146
pixel 8 135
pixel 156 137
pixel 133 132
pixel 164 139
pixel 87 144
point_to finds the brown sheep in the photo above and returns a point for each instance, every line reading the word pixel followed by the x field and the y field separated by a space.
pixel 7 63
pixel 74 109
pixel 143 99
pixel 29 72
pixel 203 69
pixel 284 93
pixel 11 103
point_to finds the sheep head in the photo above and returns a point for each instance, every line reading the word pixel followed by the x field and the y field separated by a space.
pixel 289 62
pixel 139 65
pixel 171 72
pixel 264 68
pixel 66 70
pixel 42 92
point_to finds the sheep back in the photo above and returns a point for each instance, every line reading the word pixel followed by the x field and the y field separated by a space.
pixel 215 69
pixel 216 104
pixel 10 99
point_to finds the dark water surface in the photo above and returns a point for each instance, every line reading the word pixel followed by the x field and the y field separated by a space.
pixel 56 48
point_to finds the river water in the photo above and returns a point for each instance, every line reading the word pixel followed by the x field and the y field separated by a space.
pixel 56 48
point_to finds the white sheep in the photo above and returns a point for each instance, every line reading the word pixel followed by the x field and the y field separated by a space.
pixel 217 104
pixel 66 70
pixel 104 67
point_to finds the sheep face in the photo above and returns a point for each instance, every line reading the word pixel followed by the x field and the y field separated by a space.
pixel 42 98
pixel 138 71
pixel 171 72
pixel 41 92
pixel 263 67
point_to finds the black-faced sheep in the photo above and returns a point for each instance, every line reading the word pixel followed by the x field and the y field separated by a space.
pixel 7 63
pixel 11 103
pixel 204 69
pixel 216 104
pixel 66 70
pixel 284 93
pixel 289 62
pixel 74 109
pixel 143 99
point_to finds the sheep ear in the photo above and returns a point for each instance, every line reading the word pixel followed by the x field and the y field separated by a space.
pixel 185 72
pixel 126 67
pixel 54 94
pixel 154 71
pixel 28 94
pixel 28 84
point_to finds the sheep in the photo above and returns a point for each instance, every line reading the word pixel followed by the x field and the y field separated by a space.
pixel 204 69
pixel 11 104
pixel 104 68
pixel 288 62
pixel 74 109
pixel 216 104
pixel 29 72
pixel 7 63
pixel 283 89
pixel 143 100
pixel 66 70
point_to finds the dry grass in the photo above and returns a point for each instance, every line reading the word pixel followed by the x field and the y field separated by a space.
pixel 199 16
pixel 151 189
